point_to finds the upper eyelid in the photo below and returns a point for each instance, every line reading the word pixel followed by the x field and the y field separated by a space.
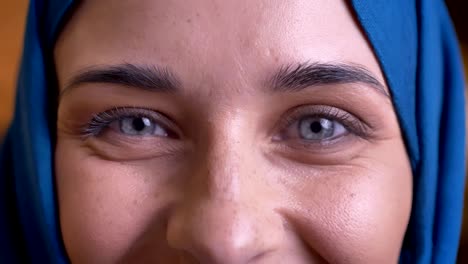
pixel 130 111
pixel 337 114
pixel 111 115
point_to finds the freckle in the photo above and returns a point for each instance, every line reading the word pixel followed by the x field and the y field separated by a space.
pixel 352 195
pixel 197 14
pixel 189 20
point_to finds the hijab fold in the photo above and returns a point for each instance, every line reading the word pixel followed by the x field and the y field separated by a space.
pixel 418 52
pixel 416 46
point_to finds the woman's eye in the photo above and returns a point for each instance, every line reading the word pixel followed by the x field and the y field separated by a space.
pixel 130 121
pixel 318 128
pixel 138 126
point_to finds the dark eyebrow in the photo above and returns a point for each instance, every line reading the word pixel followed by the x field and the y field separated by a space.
pixel 140 76
pixel 296 77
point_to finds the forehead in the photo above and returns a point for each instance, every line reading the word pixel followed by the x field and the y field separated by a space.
pixel 213 40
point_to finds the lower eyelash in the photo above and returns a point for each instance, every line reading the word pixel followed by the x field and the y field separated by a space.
pixel 102 120
pixel 351 123
pixel 95 126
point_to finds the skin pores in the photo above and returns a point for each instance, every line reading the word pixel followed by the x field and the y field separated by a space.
pixel 206 156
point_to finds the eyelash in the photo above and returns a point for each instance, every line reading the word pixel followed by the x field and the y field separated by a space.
pixel 351 123
pixel 102 120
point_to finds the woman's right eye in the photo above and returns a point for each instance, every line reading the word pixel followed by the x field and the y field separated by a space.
pixel 138 126
pixel 130 122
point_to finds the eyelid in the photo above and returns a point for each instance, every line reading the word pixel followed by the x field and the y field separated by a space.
pixel 352 123
pixel 102 120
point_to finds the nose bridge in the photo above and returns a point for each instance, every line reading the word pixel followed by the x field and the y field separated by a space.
pixel 225 161
pixel 224 169
pixel 222 217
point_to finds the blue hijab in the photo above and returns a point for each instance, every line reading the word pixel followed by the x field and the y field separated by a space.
pixel 417 49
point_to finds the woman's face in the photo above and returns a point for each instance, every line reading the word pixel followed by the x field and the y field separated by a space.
pixel 212 131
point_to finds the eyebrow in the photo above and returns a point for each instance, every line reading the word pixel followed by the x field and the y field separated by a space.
pixel 141 76
pixel 296 77
pixel 289 78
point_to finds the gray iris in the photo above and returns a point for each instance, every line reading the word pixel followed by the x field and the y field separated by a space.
pixel 316 128
pixel 136 126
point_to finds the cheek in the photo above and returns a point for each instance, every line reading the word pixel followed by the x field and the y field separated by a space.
pixel 106 207
pixel 356 213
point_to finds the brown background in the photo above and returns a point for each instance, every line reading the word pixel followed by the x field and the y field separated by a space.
pixel 12 18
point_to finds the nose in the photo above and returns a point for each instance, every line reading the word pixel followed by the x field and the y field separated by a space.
pixel 214 232
pixel 225 215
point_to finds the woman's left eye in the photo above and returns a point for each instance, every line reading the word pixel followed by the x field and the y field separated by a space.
pixel 314 129
pixel 317 128
pixel 138 126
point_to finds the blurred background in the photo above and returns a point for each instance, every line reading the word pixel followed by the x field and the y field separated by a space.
pixel 12 19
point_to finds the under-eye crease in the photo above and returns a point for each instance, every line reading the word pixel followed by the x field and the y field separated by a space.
pixel 120 120
pixel 319 119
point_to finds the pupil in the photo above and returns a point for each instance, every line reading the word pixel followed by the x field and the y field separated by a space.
pixel 316 127
pixel 138 124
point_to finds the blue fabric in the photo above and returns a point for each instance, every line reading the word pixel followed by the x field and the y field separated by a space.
pixel 28 217
pixel 417 50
